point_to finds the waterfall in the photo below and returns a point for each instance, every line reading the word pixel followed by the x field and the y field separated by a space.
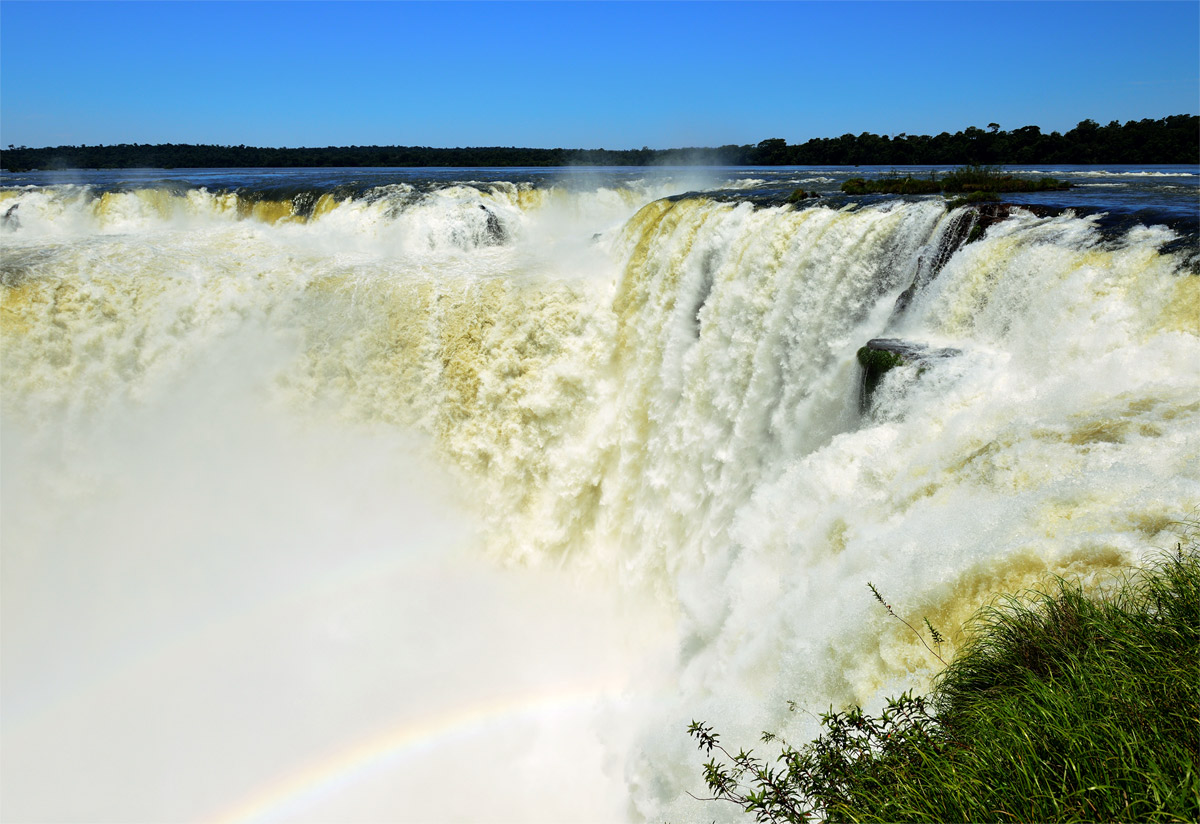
pixel 619 431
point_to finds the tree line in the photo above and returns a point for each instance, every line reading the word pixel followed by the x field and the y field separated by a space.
pixel 1168 140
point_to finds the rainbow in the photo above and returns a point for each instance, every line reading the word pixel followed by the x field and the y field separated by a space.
pixel 322 779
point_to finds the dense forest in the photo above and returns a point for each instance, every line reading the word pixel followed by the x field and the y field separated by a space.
pixel 1174 139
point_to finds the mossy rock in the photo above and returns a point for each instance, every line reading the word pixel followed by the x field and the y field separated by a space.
pixel 881 355
pixel 877 358
pixel 799 195
pixel 878 361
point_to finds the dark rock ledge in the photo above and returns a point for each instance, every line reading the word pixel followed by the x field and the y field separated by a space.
pixel 881 355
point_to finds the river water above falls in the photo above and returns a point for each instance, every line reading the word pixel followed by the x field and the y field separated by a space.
pixel 370 495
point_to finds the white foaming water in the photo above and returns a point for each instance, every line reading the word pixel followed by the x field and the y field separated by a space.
pixel 215 610
pixel 319 518
pixel 1111 173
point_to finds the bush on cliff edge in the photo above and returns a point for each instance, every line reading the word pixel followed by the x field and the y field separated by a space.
pixel 1060 707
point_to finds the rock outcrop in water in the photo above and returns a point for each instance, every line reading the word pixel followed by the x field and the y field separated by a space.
pixel 496 233
pixel 966 226
pixel 881 355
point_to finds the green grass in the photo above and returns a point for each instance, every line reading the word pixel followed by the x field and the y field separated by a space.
pixel 1059 707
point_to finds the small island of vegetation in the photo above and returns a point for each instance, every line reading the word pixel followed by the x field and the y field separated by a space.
pixel 977 182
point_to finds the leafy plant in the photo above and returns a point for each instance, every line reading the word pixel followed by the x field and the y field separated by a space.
pixel 1059 707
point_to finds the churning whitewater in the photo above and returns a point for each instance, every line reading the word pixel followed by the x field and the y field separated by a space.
pixel 446 498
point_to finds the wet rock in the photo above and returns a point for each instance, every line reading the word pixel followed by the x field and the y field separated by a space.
pixel 881 355
pixel 960 232
pixel 967 226
pixel 304 204
pixel 496 233
pixel 10 220
pixel 800 194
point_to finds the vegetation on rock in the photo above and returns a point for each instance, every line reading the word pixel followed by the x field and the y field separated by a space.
pixel 993 179
pixel 878 360
pixel 881 355
pixel 875 362
pixel 978 182
pixel 973 197
pixel 893 185
pixel 1059 707
pixel 800 194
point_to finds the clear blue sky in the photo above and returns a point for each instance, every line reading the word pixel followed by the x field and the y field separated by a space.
pixel 611 75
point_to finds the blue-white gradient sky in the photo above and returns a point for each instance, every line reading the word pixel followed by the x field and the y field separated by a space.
pixel 580 75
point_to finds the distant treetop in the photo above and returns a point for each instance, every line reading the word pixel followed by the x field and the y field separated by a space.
pixel 1169 140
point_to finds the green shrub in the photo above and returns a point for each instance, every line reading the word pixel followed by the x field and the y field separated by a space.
pixel 1059 707
pixel 855 186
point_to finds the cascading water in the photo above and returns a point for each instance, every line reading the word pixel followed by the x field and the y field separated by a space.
pixel 318 505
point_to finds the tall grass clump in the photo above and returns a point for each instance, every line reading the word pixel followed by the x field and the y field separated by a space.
pixel 1058 707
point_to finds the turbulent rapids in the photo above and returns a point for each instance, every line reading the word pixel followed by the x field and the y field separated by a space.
pixel 322 499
